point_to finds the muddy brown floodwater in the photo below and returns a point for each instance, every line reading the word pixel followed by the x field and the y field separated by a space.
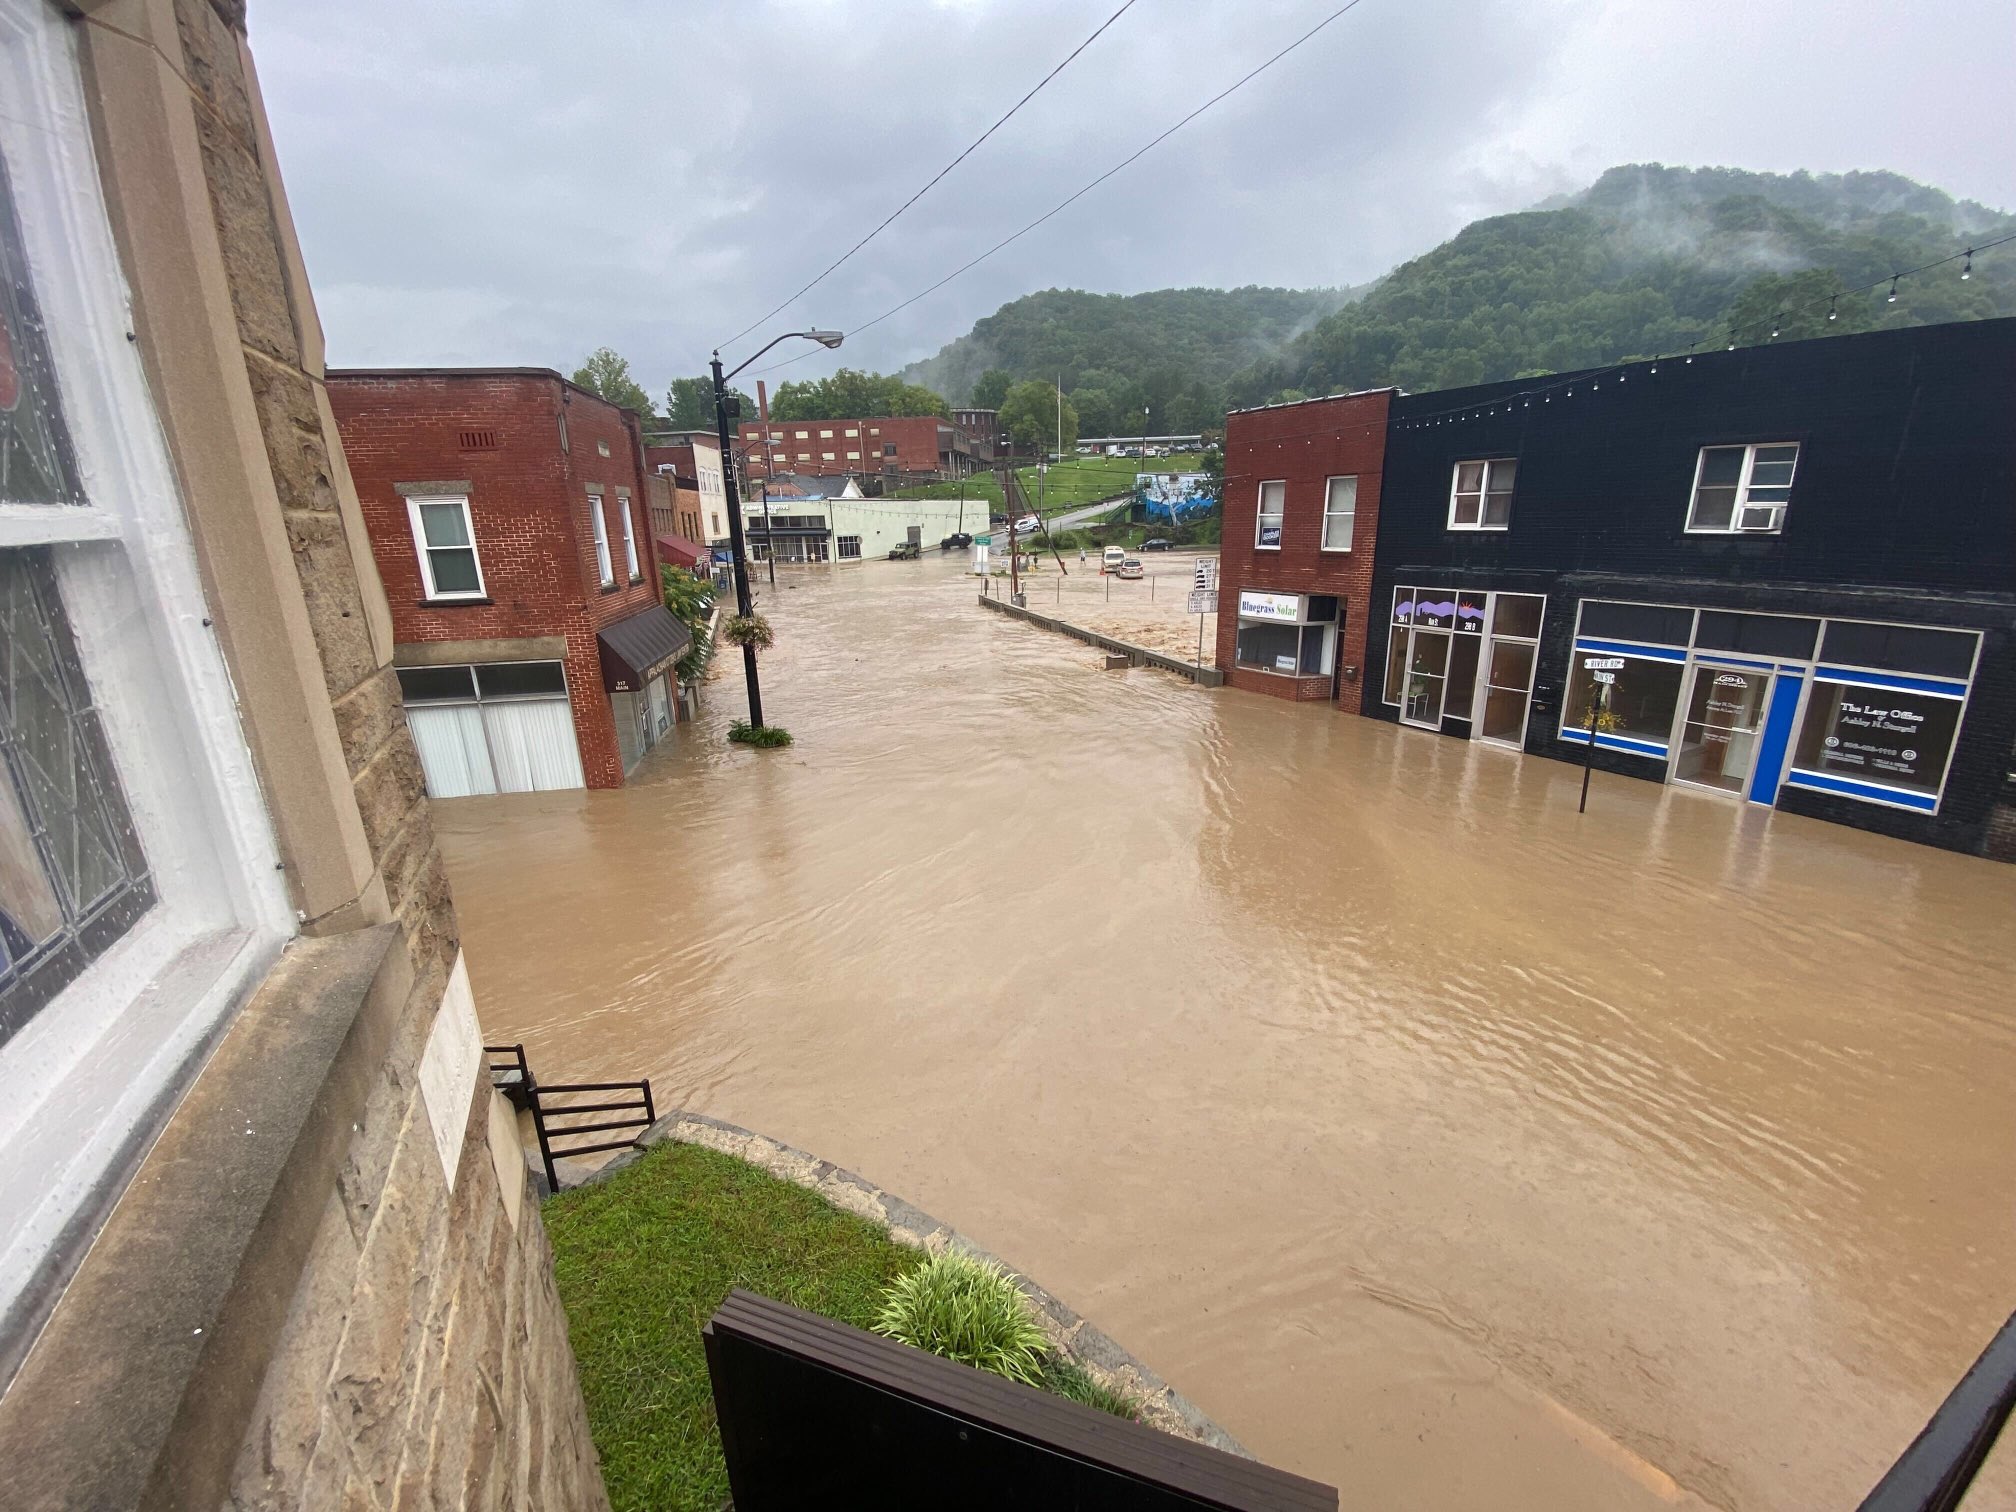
pixel 1442 1144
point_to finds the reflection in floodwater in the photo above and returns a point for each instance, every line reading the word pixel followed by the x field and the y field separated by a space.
pixel 1444 1145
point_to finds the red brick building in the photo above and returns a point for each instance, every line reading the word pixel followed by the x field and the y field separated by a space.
pixel 888 446
pixel 1295 565
pixel 508 513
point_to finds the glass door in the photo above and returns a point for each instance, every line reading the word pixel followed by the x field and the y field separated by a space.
pixel 1718 737
pixel 1427 675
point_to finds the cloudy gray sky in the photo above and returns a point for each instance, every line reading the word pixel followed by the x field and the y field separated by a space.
pixel 519 181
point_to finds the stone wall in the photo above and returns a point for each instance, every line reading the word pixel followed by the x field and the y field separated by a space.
pixel 418 1355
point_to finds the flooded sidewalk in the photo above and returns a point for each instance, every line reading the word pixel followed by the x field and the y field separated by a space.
pixel 1438 1142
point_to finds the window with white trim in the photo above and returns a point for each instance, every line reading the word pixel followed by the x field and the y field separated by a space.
pixel 1267 521
pixel 1480 494
pixel 1742 490
pixel 445 539
pixel 139 897
pixel 850 548
pixel 599 523
pixel 825 456
pixel 629 538
pixel 1340 513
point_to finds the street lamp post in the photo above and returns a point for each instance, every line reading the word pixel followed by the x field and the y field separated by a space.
pixel 737 549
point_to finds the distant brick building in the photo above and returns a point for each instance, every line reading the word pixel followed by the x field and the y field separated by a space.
pixel 508 512
pixel 887 447
pixel 1301 501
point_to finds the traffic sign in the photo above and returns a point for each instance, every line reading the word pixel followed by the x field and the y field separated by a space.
pixel 1604 677
pixel 1204 575
pixel 1602 663
pixel 1203 601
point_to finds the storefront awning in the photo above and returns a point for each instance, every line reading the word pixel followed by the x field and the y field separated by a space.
pixel 637 649
pixel 678 549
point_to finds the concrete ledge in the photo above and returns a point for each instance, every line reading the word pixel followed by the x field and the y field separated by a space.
pixel 1137 656
pixel 1162 1406
pixel 140 1387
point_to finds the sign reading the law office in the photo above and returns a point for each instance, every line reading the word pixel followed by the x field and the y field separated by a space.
pixel 1270 606
pixel 1895 736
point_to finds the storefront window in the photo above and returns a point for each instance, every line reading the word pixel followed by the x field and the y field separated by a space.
pixel 1272 648
pixel 1518 614
pixel 1640 703
pixel 1725 713
pixel 1891 737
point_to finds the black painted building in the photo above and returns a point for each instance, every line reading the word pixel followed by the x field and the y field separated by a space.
pixel 1786 573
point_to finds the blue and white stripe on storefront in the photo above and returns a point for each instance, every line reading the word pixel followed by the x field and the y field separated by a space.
pixel 1631 648
pixel 1619 743
pixel 1942 687
pixel 1873 792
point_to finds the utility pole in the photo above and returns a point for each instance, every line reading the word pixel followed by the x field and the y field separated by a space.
pixel 737 549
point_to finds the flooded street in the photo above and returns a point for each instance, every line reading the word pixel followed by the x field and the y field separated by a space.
pixel 1442 1144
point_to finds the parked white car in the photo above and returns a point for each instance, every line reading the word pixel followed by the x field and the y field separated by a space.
pixel 1026 524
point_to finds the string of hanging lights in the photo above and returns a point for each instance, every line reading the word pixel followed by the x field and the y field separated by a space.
pixel 1565 387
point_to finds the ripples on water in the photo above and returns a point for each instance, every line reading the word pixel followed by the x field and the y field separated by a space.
pixel 1698 1115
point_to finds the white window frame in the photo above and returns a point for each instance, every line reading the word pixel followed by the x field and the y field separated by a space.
pixel 87 1080
pixel 1261 517
pixel 629 540
pixel 1742 502
pixel 1484 496
pixel 605 566
pixel 420 546
pixel 1349 516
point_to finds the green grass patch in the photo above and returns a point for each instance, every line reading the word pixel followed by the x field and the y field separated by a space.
pixel 1078 481
pixel 983 487
pixel 643 1260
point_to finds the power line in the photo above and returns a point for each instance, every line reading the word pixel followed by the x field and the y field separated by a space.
pixel 1094 184
pixel 1129 5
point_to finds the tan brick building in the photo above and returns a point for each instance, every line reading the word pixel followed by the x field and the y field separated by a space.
pixel 265 1236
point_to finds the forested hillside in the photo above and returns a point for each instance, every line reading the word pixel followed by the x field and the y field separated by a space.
pixel 1172 349
pixel 1648 259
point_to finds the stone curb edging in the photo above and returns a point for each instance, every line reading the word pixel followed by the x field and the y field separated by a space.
pixel 1162 1406
pixel 1137 656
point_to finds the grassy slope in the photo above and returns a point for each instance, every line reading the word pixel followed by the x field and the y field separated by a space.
pixel 643 1260
pixel 1069 484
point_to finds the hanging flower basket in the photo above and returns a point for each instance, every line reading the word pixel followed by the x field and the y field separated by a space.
pixel 748 630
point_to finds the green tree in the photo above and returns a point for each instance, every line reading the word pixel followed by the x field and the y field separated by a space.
pixel 1029 413
pixel 851 394
pixel 689 404
pixel 991 387
pixel 608 374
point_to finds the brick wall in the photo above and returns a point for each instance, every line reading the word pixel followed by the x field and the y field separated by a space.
pixel 1305 445
pixel 528 504
pixel 915 438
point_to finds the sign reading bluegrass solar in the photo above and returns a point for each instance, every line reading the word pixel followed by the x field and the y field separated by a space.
pixel 814 1413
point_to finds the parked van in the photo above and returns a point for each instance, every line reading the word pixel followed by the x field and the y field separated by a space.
pixel 1111 558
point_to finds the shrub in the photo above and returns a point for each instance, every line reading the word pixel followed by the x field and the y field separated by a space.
pixel 748 630
pixel 764 737
pixel 970 1311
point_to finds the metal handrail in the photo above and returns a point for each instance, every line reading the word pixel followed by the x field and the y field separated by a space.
pixel 511 1074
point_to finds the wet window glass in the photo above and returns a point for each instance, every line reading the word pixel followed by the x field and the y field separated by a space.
pixel 1888 736
pixel 1743 487
pixel 1758 634
pixel 1435 607
pixel 1639 705
pixel 1518 614
pixel 1267 527
pixel 1470 612
pixel 1403 605
pixel 1396 667
pixel 520 679
pixel 35 458
pixel 72 878
pixel 1481 496
pixel 1271 647
pixel 435 684
pixel 1651 624
pixel 1900 648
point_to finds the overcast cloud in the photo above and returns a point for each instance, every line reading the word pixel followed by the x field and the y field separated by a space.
pixel 519 181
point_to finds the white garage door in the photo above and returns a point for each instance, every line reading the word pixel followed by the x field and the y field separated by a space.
pixel 492 728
